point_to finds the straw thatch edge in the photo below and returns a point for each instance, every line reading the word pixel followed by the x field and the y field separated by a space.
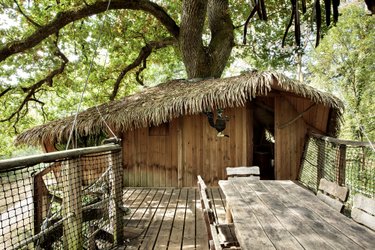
pixel 169 100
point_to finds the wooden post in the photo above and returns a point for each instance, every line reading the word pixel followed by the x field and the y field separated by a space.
pixel 72 205
pixel 228 214
pixel 91 239
pixel 320 160
pixel 41 202
pixel 342 165
pixel 115 202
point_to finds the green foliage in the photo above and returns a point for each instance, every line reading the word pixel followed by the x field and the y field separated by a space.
pixel 114 39
pixel 104 45
pixel 344 64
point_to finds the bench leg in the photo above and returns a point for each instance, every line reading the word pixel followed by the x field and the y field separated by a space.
pixel 228 214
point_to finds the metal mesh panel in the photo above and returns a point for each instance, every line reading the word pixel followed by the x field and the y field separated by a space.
pixel 74 203
pixel 351 165
pixel 360 171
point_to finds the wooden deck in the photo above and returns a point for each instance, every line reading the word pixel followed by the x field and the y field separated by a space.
pixel 168 218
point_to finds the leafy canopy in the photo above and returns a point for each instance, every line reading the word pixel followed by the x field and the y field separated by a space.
pixel 344 64
pixel 130 46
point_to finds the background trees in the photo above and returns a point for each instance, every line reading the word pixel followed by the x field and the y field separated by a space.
pixel 48 48
pixel 344 64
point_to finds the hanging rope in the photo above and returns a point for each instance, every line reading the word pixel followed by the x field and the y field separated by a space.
pixel 87 80
pixel 96 106
pixel 49 214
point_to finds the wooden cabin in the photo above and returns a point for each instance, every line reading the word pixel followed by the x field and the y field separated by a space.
pixel 168 139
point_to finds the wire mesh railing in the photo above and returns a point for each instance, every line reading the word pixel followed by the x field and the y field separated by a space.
pixel 348 163
pixel 62 200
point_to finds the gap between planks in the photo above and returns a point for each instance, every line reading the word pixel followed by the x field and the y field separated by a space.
pixel 167 218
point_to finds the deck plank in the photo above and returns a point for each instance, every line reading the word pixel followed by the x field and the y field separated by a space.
pixel 138 206
pixel 153 230
pixel 175 241
pixel 188 239
pixel 167 218
pixel 148 208
pixel 167 223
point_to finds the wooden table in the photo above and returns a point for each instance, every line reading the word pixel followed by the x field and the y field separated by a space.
pixel 284 215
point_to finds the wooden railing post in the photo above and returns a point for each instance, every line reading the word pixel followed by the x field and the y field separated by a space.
pixel 72 205
pixel 320 160
pixel 41 202
pixel 115 212
pixel 342 165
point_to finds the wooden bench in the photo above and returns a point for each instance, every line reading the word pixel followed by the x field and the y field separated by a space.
pixel 220 236
pixel 363 210
pixel 332 194
pixel 252 171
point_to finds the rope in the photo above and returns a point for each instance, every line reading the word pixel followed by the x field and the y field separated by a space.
pixel 96 106
pixel 361 127
pixel 44 225
pixel 87 79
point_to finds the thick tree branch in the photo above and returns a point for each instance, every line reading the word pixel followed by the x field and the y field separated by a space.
pixel 222 37
pixel 252 13
pixel 191 43
pixel 142 57
pixel 64 18
pixel 34 88
pixel 5 91
pixel 201 61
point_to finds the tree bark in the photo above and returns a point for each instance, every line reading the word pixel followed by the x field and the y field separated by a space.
pixel 222 37
pixel 205 61
pixel 191 43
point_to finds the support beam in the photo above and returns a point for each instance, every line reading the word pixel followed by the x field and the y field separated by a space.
pixel 320 161
pixel 72 205
pixel 342 165
pixel 115 202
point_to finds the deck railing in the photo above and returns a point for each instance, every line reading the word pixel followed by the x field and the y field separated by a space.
pixel 62 200
pixel 348 163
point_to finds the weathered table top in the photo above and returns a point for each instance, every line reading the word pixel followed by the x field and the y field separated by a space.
pixel 283 215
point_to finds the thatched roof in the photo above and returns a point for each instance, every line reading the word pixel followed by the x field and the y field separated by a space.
pixel 169 100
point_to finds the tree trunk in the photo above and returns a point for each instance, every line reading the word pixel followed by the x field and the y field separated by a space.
pixel 205 61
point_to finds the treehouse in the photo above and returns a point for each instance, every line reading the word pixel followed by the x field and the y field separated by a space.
pixel 183 128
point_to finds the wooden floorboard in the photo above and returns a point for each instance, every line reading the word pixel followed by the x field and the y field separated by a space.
pixel 167 218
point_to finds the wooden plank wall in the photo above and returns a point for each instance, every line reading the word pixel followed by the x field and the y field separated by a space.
pixel 190 148
pixel 150 160
pixel 289 140
pixel 316 117
pixel 207 155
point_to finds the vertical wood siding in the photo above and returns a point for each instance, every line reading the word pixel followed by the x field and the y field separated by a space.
pixel 190 147
pixel 289 140
pixel 159 160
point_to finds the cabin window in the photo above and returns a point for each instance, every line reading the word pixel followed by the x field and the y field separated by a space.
pixel 161 130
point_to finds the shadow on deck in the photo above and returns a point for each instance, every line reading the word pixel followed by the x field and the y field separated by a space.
pixel 167 218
